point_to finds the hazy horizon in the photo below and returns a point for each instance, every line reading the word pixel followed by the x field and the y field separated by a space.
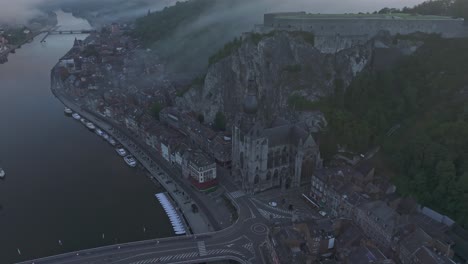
pixel 19 11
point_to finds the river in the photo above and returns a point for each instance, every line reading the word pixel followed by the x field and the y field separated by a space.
pixel 63 182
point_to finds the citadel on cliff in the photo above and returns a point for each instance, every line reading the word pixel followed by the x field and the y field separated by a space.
pixel 276 153
pixel 335 32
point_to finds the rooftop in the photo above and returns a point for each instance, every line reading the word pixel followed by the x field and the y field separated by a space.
pixel 200 159
pixel 395 16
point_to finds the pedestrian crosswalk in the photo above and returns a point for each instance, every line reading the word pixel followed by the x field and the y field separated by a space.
pixel 202 248
pixel 237 194
pixel 269 215
pixel 169 259
pixel 193 255
pixel 249 247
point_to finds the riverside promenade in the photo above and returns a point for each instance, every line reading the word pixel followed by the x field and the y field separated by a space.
pixel 197 222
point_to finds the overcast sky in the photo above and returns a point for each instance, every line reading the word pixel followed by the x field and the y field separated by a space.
pixel 17 11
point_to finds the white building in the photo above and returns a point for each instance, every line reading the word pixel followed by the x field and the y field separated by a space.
pixel 202 171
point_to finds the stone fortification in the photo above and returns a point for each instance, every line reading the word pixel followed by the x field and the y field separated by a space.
pixel 337 32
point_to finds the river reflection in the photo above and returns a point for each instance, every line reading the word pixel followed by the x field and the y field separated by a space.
pixel 63 182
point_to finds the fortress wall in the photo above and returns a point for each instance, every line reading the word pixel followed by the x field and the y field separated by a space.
pixel 449 28
pixel 335 34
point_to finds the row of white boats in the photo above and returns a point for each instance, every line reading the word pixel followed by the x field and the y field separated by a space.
pixel 176 222
pixel 130 160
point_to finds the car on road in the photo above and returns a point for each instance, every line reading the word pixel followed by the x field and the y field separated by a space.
pixel 194 208
pixel 272 204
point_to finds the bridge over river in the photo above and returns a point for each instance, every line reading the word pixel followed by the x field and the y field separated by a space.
pixel 240 242
pixel 57 31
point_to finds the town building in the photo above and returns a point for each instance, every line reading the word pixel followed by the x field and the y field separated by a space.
pixel 333 191
pixel 378 221
pixel 305 242
pixel 202 171
pixel 280 155
pixel 216 144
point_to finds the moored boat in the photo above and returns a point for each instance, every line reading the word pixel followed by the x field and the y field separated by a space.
pixel 121 151
pixel 76 116
pixel 99 132
pixel 130 161
pixel 90 126
pixel 68 111
pixel 112 141
pixel 2 173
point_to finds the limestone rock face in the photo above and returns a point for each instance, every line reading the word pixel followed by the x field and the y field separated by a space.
pixel 282 64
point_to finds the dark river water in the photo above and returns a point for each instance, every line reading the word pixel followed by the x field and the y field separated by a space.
pixel 63 182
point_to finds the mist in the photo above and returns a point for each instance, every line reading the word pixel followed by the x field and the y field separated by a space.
pixel 191 44
pixel 20 11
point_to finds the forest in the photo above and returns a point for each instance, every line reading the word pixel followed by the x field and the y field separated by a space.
pixel 453 8
pixel 426 97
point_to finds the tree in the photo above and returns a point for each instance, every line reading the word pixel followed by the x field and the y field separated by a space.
pixel 155 109
pixel 220 121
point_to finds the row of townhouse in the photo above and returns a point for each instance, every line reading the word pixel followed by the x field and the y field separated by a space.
pixel 216 144
pixel 396 225
pixel 175 148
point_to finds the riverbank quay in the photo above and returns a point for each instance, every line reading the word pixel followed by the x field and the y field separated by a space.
pixel 196 221
pixel 182 195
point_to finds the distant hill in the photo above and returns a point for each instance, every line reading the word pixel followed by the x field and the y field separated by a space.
pixel 188 33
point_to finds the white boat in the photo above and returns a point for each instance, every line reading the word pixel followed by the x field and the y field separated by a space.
pixel 90 126
pixel 112 141
pixel 2 173
pixel 105 136
pixel 76 116
pixel 121 151
pixel 68 111
pixel 130 161
pixel 99 132
pixel 83 121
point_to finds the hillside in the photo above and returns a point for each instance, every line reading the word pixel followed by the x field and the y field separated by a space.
pixel 427 94
pixel 186 34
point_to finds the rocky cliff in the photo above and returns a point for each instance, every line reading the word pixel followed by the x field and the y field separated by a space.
pixel 283 64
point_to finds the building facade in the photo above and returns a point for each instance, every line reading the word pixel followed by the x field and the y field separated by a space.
pixel 378 221
pixel 282 155
pixel 202 171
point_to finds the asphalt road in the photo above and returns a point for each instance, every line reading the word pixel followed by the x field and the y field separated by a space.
pixel 240 242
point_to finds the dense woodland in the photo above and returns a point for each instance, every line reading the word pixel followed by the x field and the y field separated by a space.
pixel 159 25
pixel 453 8
pixel 425 100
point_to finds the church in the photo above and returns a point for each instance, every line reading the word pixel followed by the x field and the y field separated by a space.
pixel 281 155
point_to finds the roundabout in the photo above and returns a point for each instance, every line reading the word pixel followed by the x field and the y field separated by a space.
pixel 259 229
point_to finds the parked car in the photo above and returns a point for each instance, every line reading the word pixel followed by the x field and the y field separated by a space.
pixel 194 208
pixel 273 204
pixel 322 213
